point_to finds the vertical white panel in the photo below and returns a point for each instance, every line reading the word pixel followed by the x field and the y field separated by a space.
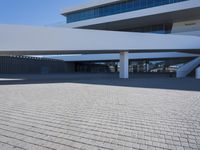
pixel 198 73
pixel 124 65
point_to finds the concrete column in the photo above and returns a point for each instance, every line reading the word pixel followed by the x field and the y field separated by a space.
pixel 124 65
pixel 198 73
pixel 147 67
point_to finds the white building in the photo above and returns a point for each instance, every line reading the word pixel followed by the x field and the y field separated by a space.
pixel 170 29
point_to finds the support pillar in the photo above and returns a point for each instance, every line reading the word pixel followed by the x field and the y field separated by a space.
pixel 147 66
pixel 124 65
pixel 198 73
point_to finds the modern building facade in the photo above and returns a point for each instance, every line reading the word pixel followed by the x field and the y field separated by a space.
pixel 149 16
pixel 157 16
pixel 151 29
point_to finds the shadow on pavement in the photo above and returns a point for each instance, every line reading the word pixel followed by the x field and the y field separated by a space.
pixel 158 81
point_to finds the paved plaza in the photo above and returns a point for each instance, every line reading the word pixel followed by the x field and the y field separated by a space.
pixel 97 113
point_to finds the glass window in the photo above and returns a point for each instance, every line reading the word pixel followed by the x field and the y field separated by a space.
pixel 116 8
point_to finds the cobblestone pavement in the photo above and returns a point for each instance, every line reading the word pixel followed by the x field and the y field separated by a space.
pixel 65 116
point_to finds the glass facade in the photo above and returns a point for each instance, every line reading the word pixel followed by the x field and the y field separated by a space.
pixel 158 28
pixel 116 8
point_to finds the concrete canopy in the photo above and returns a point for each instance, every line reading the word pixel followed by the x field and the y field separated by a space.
pixel 116 57
pixel 24 40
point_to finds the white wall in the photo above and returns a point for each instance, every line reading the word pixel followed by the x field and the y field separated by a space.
pixel 191 27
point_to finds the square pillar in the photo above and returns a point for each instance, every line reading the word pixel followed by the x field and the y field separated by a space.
pixel 124 65
pixel 198 73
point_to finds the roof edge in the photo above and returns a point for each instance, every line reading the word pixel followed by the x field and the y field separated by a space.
pixel 87 5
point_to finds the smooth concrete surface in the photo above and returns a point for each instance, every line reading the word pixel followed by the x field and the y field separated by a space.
pixel 111 57
pixel 198 73
pixel 106 113
pixel 18 40
pixel 187 68
pixel 124 62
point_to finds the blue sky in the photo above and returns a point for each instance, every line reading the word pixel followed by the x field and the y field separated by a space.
pixel 34 12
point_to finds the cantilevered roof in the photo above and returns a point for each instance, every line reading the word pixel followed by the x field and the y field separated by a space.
pixel 109 57
pixel 92 3
pixel 23 40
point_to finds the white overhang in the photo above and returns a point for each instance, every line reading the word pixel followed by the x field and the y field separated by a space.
pixel 23 40
pixel 92 3
pixel 116 57
pixel 166 13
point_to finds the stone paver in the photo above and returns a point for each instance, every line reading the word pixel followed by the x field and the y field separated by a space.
pixel 62 116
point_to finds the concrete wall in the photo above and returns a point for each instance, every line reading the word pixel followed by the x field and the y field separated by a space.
pixel 191 27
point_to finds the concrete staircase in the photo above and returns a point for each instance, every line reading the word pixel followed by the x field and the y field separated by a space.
pixel 188 68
